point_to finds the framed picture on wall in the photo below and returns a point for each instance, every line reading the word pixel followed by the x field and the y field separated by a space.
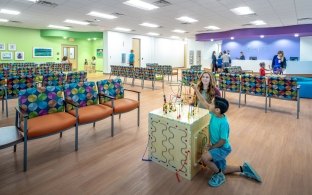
pixel 2 46
pixel 6 55
pixel 12 46
pixel 99 53
pixel 19 55
pixel 42 52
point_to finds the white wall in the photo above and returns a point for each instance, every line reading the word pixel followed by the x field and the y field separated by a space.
pixel 305 48
pixel 158 50
pixel 206 49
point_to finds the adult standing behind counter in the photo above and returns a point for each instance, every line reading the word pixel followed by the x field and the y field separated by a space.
pixel 242 56
pixel 279 63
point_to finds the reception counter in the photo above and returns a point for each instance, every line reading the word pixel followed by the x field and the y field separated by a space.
pixel 293 67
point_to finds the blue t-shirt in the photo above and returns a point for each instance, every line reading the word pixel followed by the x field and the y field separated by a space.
pixel 219 129
pixel 131 57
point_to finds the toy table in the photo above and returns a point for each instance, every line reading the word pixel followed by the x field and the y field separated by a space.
pixel 176 144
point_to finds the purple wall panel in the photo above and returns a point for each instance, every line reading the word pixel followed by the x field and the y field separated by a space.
pixel 263 49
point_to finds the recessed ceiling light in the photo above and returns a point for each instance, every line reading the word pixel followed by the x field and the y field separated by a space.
pixel 232 38
pixel 296 35
pixel 212 27
pixel 258 22
pixel 11 12
pixel 149 25
pixel 122 29
pixel 261 36
pixel 89 39
pixel 94 38
pixel 58 27
pixel 76 22
pixel 187 19
pixel 64 37
pixel 175 37
pixel 242 11
pixel 179 31
pixel 153 34
pixel 211 40
pixel 140 4
pixel 3 20
pixel 35 1
pixel 101 15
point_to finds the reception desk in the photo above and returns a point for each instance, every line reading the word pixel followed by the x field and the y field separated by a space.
pixel 293 67
pixel 176 143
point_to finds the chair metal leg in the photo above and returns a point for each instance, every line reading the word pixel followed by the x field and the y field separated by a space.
pixel 239 99
pixel 76 136
pixel 61 134
pixel 269 102
pixel 25 144
pixel 93 124
pixel 298 108
pixel 266 104
pixel 112 127
pixel 245 97
pixel 138 116
pixel 119 116
pixel 6 107
pixel 14 148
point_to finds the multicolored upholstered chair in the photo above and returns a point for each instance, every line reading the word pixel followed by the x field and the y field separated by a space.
pixel 229 83
pixel 56 67
pixel 190 76
pixel 149 74
pixel 67 67
pixel 129 72
pixel 76 77
pixel 42 110
pixel 112 95
pixel 3 94
pixel 253 85
pixel 42 69
pixel 84 96
pixel 196 67
pixel 53 79
pixel 138 74
pixel 284 88
pixel 114 71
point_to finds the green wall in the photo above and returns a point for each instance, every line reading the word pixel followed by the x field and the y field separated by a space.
pixel 26 39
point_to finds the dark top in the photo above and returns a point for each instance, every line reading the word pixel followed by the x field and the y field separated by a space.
pixel 276 62
pixel 214 59
pixel 242 57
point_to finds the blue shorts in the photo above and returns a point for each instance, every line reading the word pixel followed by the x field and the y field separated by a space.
pixel 219 155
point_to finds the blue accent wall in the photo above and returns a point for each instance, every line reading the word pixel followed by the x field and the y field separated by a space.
pixel 263 49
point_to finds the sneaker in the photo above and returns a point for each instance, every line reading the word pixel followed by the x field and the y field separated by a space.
pixel 248 171
pixel 217 180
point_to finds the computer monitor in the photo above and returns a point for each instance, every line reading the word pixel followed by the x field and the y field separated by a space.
pixel 293 58
pixel 252 58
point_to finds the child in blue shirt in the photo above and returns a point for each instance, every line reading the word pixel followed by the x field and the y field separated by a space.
pixel 220 147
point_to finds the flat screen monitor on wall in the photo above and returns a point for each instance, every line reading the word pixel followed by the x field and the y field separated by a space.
pixel 252 58
pixel 293 58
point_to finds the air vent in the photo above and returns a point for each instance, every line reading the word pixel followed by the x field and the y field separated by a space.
pixel 118 14
pixel 14 21
pixel 247 24
pixel 185 23
pixel 162 3
pixel 46 3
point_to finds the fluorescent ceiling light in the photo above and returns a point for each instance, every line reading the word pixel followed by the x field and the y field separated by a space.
pixel 59 27
pixel 153 34
pixel 149 25
pixel 140 4
pixel 3 20
pixel 179 31
pixel 35 1
pixel 122 29
pixel 232 38
pixel 11 12
pixel 212 27
pixel 258 22
pixel 101 15
pixel 242 11
pixel 187 19
pixel 211 40
pixel 261 36
pixel 175 37
pixel 296 35
pixel 76 22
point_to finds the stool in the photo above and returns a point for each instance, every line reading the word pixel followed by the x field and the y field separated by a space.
pixel 10 136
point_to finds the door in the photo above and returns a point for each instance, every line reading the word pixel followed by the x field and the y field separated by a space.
pixel 136 46
pixel 71 51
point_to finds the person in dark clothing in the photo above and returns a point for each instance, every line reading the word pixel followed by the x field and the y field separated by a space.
pixel 279 63
pixel 242 56
pixel 214 62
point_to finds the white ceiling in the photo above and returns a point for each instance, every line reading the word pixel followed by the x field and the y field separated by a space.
pixel 208 12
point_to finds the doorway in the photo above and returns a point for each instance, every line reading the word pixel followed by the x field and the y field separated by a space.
pixel 71 51
pixel 136 46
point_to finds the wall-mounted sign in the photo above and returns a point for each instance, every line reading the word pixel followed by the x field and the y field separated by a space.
pixel 40 52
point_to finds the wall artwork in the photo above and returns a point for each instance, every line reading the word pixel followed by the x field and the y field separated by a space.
pixel 40 52
pixel 191 57
pixel 99 53
pixel 12 46
pixel 2 46
pixel 19 55
pixel 6 56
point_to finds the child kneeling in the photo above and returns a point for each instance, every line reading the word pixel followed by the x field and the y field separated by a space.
pixel 215 155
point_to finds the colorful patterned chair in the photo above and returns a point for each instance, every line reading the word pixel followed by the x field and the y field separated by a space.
pixel 149 74
pixel 138 74
pixel 42 110
pixel 253 85
pixel 66 67
pixel 76 77
pixel 3 94
pixel 112 95
pixel 84 96
pixel 196 67
pixel 53 79
pixel 284 88
pixel 229 83
pixel 190 76
pixel 114 71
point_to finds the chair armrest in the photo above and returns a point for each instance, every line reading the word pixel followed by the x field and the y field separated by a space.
pixel 21 112
pixel 132 90
pixel 104 95
pixel 67 101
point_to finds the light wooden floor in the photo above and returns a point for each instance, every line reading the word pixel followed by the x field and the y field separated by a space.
pixel 278 145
